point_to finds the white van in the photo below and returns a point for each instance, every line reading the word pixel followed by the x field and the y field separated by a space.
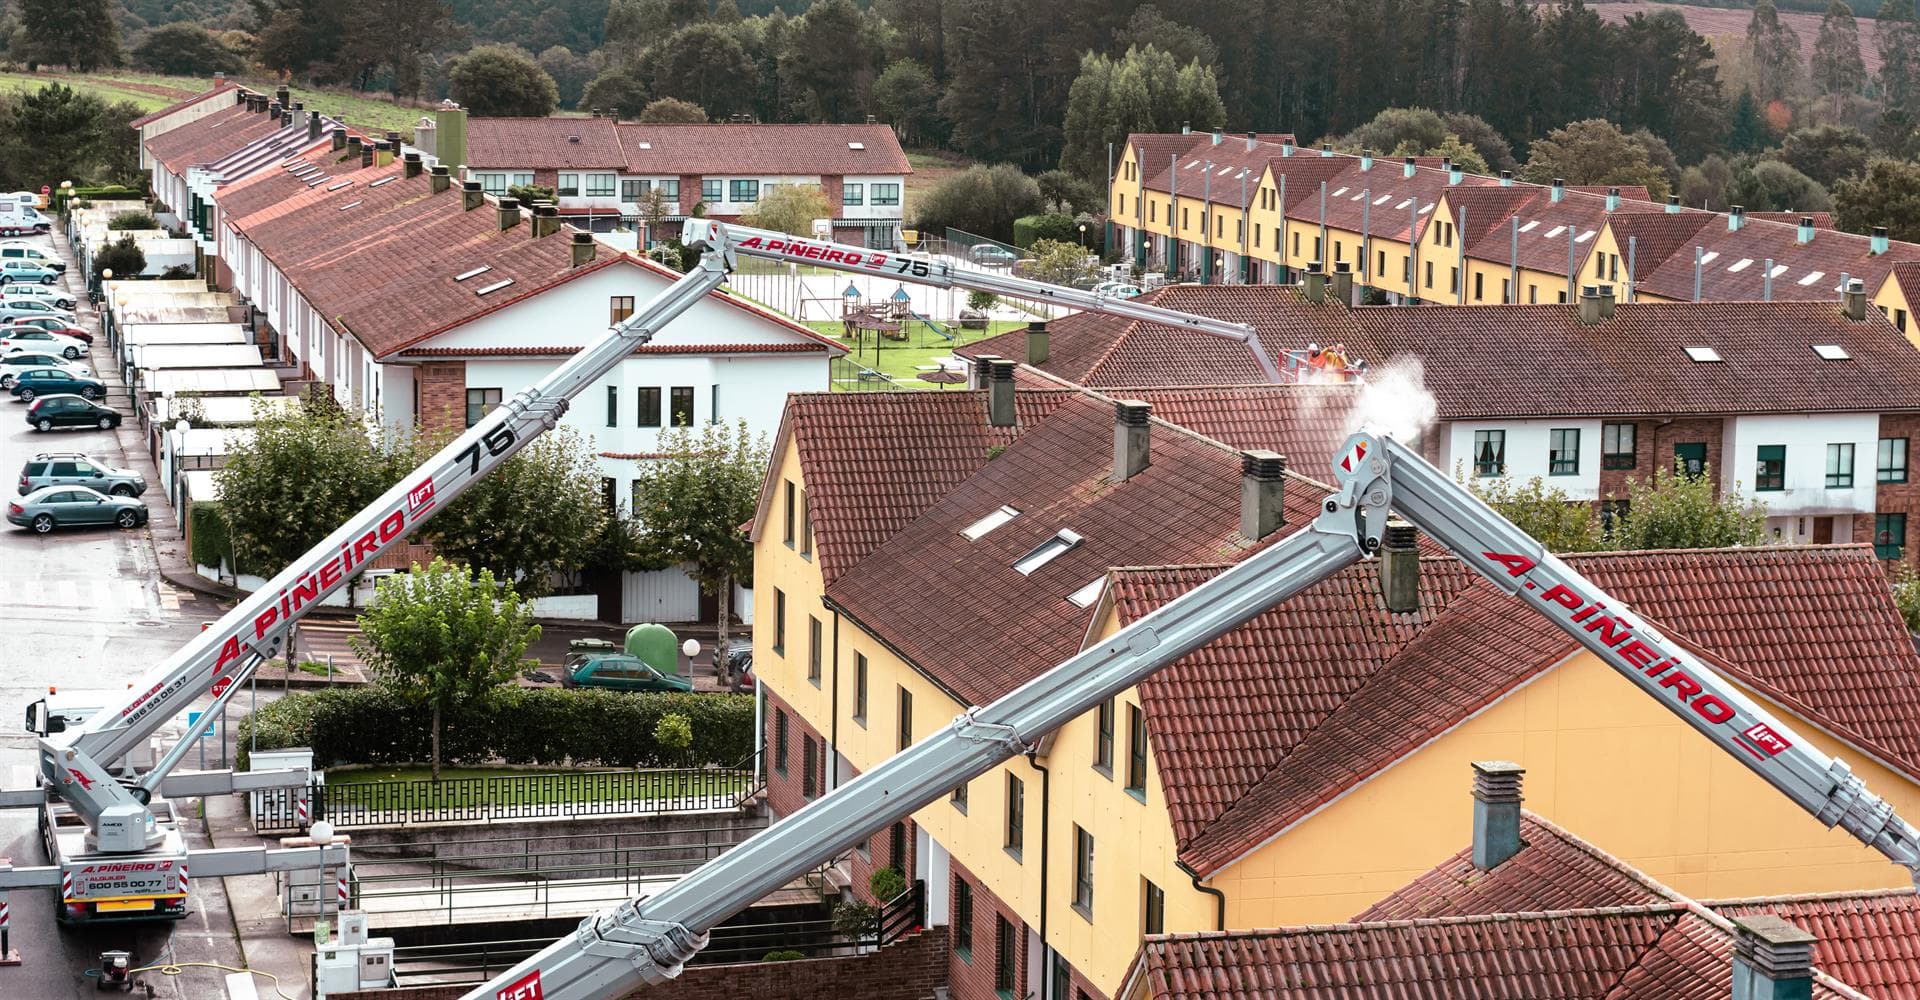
pixel 22 250
pixel 15 217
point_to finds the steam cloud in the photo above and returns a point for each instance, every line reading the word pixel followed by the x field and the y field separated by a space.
pixel 1394 401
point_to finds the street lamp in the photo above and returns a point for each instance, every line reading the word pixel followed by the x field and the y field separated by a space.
pixel 1083 235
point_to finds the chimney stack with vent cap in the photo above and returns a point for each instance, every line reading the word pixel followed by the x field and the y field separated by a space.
pixel 1263 486
pixel 1218 135
pixel 1366 159
pixel 1613 199
pixel 1326 149
pixel 1736 217
pixel 1455 172
pixel 353 147
pixel 1772 959
pixel 1343 283
pixel 437 178
pixel 1496 812
pixel 1506 178
pixel 507 213
pixel 1186 128
pixel 410 165
pixel 1854 300
pixel 1589 305
pixel 981 371
pixel 1879 241
pixel 1039 343
pixel 1673 204
pixel 1606 301
pixel 1132 438
pixel 367 154
pixel 1000 392
pixel 1400 568
pixel 1407 167
pixel 339 139
pixel 283 95
pixel 313 127
pixel 1253 139
pixel 1559 189
pixel 1805 233
pixel 471 196
pixel 583 249
pixel 546 219
pixel 1315 283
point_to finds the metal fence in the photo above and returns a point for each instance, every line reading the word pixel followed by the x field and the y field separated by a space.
pixel 525 796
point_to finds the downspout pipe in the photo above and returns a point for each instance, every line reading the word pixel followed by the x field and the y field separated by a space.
pixel 833 716
pixel 1220 898
pixel 1046 799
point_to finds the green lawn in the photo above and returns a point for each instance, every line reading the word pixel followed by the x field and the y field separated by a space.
pixel 106 90
pixel 151 92
pixel 561 785
pixel 900 359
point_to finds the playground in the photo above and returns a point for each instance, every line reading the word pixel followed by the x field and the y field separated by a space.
pixel 891 345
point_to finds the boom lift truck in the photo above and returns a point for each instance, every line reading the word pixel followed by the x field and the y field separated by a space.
pixel 648 940
pixel 116 853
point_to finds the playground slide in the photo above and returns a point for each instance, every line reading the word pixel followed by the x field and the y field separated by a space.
pixel 935 327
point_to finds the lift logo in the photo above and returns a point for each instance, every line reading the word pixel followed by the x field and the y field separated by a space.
pixel 527 987
pixel 420 496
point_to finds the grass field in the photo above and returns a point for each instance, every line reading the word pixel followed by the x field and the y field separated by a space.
pixel 623 786
pixel 902 360
pixel 152 92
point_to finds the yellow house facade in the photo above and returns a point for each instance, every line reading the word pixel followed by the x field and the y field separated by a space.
pixel 1897 297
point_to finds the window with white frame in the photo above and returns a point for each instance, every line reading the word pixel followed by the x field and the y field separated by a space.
pixel 885 194
pixel 853 194
pixel 743 191
pixel 632 189
pixel 600 185
pixel 568 186
pixel 495 184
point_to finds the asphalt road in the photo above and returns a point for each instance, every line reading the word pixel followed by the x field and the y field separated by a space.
pixel 86 609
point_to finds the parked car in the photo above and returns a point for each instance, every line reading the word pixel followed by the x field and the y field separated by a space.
pixel 11 365
pixel 26 270
pixel 33 383
pixel 739 673
pixel 22 250
pixel 51 324
pixel 35 339
pixel 65 506
pixel 618 672
pixel 48 412
pixel 1116 289
pixel 14 310
pixel 52 295
pixel 71 468
pixel 988 253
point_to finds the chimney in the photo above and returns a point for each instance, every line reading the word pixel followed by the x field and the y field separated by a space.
pixel 1253 139
pixel 1496 812
pixel 1506 178
pixel 1736 217
pixel 437 178
pixel 283 96
pixel 1879 244
pixel 450 133
pixel 1286 146
pixel 1000 392
pixel 273 109
pixel 1366 159
pixel 1606 301
pixel 1407 167
pixel 1559 189
pixel 339 139
pixel 546 219
pixel 470 196
pixel 1400 569
pixel 1326 149
pixel 366 154
pixel 1673 204
pixel 981 371
pixel 1038 343
pixel 1805 234
pixel 1589 306
pixel 313 127
pixel 1315 283
pixel 1854 300
pixel 410 165
pixel 1454 172
pixel 1772 959
pixel 507 213
pixel 1132 436
pixel 1613 199
pixel 1186 128
pixel 583 249
pixel 423 137
pixel 219 79
pixel 299 105
pixel 353 147
pixel 1343 283
pixel 1263 492
pixel 393 139
pixel 384 152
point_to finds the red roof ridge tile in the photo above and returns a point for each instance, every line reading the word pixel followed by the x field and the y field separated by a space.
pixel 183 104
pixel 1835 895
pixel 1637 910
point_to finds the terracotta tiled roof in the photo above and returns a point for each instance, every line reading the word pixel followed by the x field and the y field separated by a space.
pixel 1906 275
pixel 209 138
pixel 1821 220
pixel 1634 363
pixel 567 351
pixel 544 144
pixel 1486 209
pixel 1546 227
pixel 1628 192
pixel 1869 940
pixel 1555 870
pixel 1804 271
pixel 224 86
pixel 1228 170
pixel 873 462
pixel 1383 200
pixel 1655 236
pixel 824 150
pixel 959 610
pixel 1306 423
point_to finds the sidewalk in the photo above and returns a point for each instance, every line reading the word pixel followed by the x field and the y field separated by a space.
pixel 265 941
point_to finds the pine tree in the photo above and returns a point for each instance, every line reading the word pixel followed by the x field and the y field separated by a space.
pixel 1837 69
pixel 79 34
pixel 1776 53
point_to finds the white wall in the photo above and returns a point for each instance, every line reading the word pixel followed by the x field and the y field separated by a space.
pixel 1806 438
pixel 1527 452
pixel 867 209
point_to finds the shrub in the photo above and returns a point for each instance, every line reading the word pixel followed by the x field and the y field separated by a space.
pixel 1906 597
pixel 538 726
pixel 135 219
pixel 887 884
pixel 784 955
pixel 210 543
pixel 1029 228
pixel 674 733
pixel 854 920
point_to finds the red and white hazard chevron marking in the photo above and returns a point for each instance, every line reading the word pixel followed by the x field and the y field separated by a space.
pixel 300 808
pixel 343 890
pixel 4 916
pixel 66 885
pixel 183 877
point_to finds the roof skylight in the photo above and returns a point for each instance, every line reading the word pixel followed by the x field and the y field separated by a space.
pixel 1740 265
pixel 1085 596
pixel 476 272
pixel 1531 223
pixel 1832 352
pixel 1340 192
pixel 1046 552
pixel 351 204
pixel 1383 199
pixel 856 145
pixel 1555 231
pixel 337 185
pixel 1703 354
pixel 1404 203
pixel 1709 257
pixel 1812 277
pixel 383 180
pixel 496 286
pixel 643 145
pixel 978 529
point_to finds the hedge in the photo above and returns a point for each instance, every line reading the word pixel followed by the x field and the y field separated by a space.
pixel 540 726
pixel 1028 228
pixel 209 527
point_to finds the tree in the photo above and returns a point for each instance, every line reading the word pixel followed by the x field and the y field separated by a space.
pixel 827 65
pixel 394 34
pixel 79 34
pixel 1671 511
pixel 1773 186
pixel 704 64
pixel 907 97
pixel 1748 131
pixel 1494 149
pixel 1888 194
pixel 634 24
pixel 690 506
pixel 1837 69
pixel 1827 153
pixel 1704 185
pixel 497 80
pixel 1067 194
pixel 1148 26
pixel 1556 520
pixel 618 90
pixel 1058 263
pixel 790 208
pixel 1665 80
pixel 1463 156
pixel 529 194
pixel 672 110
pixel 55 133
pixel 535 516
pixel 442 636
pixel 1142 91
pixel 123 257
pixel 185 49
pixel 980 200
pixel 1393 128
pixel 135 219
pixel 570 73
pixel 1899 44
pixel 1775 49
pixel 1594 151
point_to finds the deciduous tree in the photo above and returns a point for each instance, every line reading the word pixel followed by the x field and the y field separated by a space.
pixel 1775 49
pixel 790 208
pixel 1553 518
pixel 498 80
pixel 185 49
pixel 79 34
pixel 672 110
pixel 618 89
pixel 1671 511
pixel 535 516
pixel 1773 186
pixel 906 96
pixel 123 257
pixel 981 200
pixel 828 64
pixel 1594 152
pixel 571 73
pixel 1827 153
pixel 1058 262
pixel 444 635
pixel 1888 194
pixel 704 64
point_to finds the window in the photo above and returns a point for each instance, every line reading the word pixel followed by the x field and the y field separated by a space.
pixel 1016 815
pixel 780 741
pixel 1900 320
pixel 481 402
pixel 792 502
pixel 1296 244
pixel 806 527
pixel 522 180
pixel 978 529
pixel 681 406
pixel 1004 956
pixel 1889 535
pixel 1136 752
pixel 613 406
pixel 1616 446
pixel 1183 217
pixel 634 190
pixel 743 191
pixel 1839 466
pixel 647 405
pixel 1339 251
pixel 1103 744
pixel 607 488
pixel 1506 291
pixel 1893 461
pixel 1083 872
pixel 1046 552
pixel 809 788
pixel 1154 912
pixel 1770 472
pixel 1489 453
pixel 569 185
pixel 780 622
pixel 1690 459
pixel 619 307
pixel 813 650
pixel 853 194
pixel 1702 355
pixel 495 184
pixel 1256 236
pixel 600 185
pixel 713 403
pixel 897 851
pixel 963 919
pixel 1453 282
pixel 906 720
pixel 884 194
pixel 959 797
pixel 1429 273
pixel 670 190
pixel 1062 977
pixel 710 190
pixel 1563 452
pixel 860 689
pixel 1479 287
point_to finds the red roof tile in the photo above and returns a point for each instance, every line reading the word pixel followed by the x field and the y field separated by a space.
pixel 1821 220
pixel 1652 237
pixel 1804 271
pixel 1628 192
pixel 544 144
pixel 1906 275
pixel 545 351
pixel 1546 228
pixel 208 138
pixel 147 119
pixel 1306 423
pixel 817 149
pixel 1869 940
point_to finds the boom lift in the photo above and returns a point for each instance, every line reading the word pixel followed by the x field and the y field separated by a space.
pixel 113 856
pixel 648 940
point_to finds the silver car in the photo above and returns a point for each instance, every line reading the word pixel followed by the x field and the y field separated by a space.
pixel 70 468
pixel 67 506
pixel 14 310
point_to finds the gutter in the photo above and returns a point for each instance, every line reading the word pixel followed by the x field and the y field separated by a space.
pixel 1046 795
pixel 833 714
pixel 1220 898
